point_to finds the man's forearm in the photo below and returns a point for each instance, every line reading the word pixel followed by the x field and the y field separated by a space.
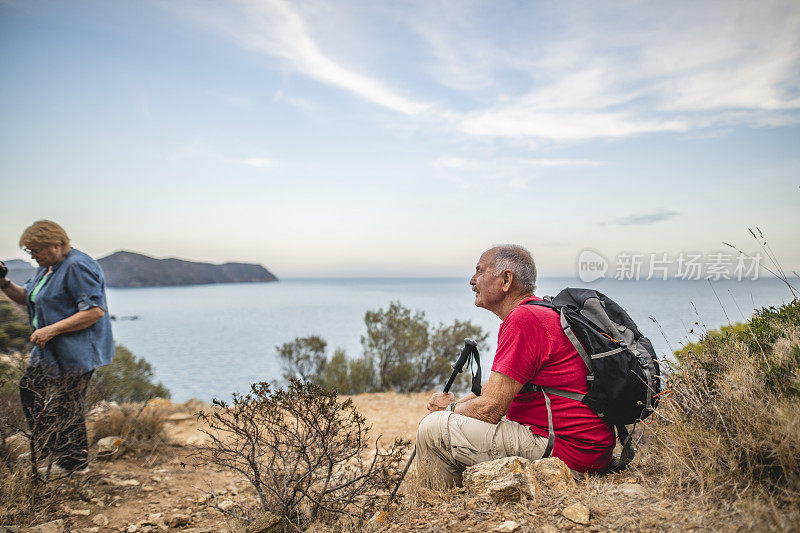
pixel 478 407
pixel 466 398
pixel 14 292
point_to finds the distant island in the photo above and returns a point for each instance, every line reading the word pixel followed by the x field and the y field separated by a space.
pixel 129 269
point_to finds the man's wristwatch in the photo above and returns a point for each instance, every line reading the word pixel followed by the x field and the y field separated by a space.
pixel 452 407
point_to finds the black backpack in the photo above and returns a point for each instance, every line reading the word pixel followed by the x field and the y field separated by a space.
pixel 623 378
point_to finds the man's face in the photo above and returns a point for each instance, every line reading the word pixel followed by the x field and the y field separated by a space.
pixel 487 286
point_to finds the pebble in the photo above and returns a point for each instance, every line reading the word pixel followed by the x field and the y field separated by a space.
pixel 80 512
pixel 100 520
pixel 227 505
pixel 179 520
pixel 578 513
pixel 509 526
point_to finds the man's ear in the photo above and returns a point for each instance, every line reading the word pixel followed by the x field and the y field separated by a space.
pixel 508 280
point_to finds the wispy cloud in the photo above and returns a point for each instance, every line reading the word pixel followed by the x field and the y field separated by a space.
pixel 531 73
pixel 642 219
pixel 276 28
pixel 463 163
pixel 614 70
pixel 516 172
pixel 257 162
pixel 198 150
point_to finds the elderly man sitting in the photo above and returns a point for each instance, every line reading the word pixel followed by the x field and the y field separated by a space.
pixel 505 420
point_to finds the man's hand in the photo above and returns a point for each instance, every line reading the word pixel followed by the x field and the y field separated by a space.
pixel 42 336
pixel 440 400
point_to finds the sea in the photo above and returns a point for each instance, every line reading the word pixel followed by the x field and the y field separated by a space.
pixel 209 341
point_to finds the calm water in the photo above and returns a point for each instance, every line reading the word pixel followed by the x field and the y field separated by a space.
pixel 211 340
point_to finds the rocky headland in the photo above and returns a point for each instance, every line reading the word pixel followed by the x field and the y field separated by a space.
pixel 130 269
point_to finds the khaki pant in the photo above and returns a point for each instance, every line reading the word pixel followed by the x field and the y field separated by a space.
pixel 447 443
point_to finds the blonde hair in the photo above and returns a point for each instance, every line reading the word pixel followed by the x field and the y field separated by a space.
pixel 44 233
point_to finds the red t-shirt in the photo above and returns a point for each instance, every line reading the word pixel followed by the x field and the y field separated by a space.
pixel 532 347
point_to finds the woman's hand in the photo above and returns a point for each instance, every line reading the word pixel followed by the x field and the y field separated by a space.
pixel 42 336
pixel 440 400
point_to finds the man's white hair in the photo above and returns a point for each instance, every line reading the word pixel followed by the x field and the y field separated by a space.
pixel 519 261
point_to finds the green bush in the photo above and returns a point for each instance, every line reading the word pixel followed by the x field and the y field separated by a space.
pixel 303 358
pixel 15 333
pixel 401 351
pixel 767 326
pixel 127 379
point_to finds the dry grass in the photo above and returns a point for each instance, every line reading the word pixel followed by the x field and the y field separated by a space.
pixel 138 425
pixel 730 430
pixel 24 500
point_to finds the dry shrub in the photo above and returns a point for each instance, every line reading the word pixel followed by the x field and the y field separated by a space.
pixel 306 453
pixel 730 427
pixel 139 425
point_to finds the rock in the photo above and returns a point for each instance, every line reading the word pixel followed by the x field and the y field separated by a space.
pixel 508 526
pixel 265 523
pixel 80 512
pixel 179 520
pixel 631 490
pixel 100 520
pixel 550 473
pixel 108 445
pixel 226 505
pixel 128 483
pixel 549 528
pixel 16 446
pixel 94 529
pixel 153 517
pixel 133 528
pixel 56 526
pixel 504 480
pixel 578 513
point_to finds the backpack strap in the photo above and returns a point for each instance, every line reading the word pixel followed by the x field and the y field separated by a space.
pixel 546 391
pixel 551 435
pixel 568 332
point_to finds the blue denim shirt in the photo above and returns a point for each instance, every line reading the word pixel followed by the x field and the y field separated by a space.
pixel 76 284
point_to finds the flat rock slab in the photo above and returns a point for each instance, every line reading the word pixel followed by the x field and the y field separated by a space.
pixel 578 513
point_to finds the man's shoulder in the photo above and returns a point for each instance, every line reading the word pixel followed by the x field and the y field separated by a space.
pixel 527 311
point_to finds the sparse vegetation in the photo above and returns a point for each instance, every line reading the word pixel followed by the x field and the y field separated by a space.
pixel 126 379
pixel 137 425
pixel 304 451
pixel 402 351
pixel 731 425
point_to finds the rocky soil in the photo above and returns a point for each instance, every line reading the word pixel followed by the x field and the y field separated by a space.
pixel 161 489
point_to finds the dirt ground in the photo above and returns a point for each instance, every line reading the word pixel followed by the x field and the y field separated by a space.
pixel 162 491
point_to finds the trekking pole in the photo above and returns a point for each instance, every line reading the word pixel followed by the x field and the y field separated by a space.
pixel 469 347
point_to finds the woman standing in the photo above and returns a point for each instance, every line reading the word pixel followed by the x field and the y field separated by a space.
pixel 67 310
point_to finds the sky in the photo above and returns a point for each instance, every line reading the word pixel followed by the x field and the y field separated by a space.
pixel 380 138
